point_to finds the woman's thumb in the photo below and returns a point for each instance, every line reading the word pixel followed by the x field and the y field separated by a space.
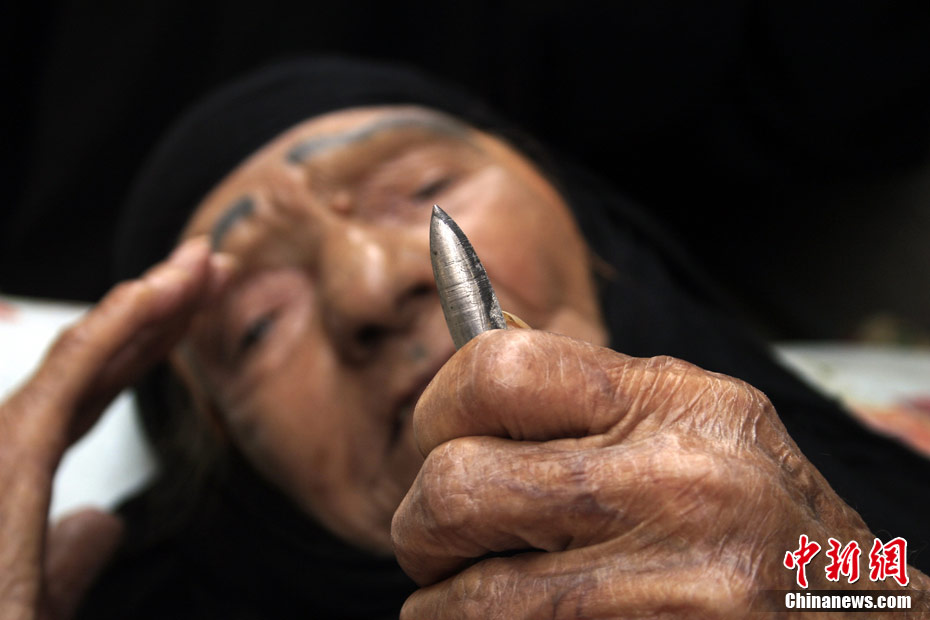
pixel 78 547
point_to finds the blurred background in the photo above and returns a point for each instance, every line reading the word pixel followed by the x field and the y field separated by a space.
pixel 785 144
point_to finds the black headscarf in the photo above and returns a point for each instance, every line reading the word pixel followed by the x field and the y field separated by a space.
pixel 254 545
pixel 230 124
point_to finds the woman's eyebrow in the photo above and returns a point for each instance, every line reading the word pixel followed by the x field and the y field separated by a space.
pixel 310 147
pixel 242 208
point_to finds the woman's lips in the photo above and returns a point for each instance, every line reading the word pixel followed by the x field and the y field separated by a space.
pixel 403 412
pixel 401 421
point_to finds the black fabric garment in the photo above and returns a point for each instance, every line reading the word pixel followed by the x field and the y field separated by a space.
pixel 659 305
pixel 246 552
pixel 753 105
pixel 226 126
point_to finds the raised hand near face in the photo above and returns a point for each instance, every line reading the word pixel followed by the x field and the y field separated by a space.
pixel 43 573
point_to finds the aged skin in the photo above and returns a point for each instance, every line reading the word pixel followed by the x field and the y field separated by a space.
pixel 641 487
pixel 331 329
pixel 42 573
pixel 644 488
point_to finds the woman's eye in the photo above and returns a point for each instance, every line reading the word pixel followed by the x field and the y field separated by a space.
pixel 255 332
pixel 428 190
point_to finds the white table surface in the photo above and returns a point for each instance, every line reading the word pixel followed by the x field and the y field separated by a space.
pixel 113 459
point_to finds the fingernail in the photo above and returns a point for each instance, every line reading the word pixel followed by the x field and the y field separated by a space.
pixel 514 322
pixel 189 252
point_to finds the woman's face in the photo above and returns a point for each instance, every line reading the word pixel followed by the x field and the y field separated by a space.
pixel 314 359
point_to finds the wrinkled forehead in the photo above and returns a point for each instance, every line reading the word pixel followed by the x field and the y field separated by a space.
pixel 283 156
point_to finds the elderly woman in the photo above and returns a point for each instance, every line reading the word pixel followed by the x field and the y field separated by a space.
pixel 318 433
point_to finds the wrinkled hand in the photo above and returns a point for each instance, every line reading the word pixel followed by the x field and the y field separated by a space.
pixel 42 573
pixel 644 487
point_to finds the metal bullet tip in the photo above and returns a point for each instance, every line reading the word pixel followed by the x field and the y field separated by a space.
pixel 468 301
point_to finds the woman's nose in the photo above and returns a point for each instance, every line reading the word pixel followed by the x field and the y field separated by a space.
pixel 374 281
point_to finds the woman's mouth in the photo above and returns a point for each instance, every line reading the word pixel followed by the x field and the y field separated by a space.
pixel 402 419
pixel 403 412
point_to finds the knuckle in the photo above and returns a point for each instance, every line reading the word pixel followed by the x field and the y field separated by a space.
pixel 666 388
pixel 743 396
pixel 757 399
pixel 72 338
pixel 447 494
pixel 665 376
pixel 399 534
pixel 83 333
pixel 672 365
pixel 707 402
pixel 129 292
pixel 124 289
pixel 489 585
pixel 498 588
pixel 747 408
